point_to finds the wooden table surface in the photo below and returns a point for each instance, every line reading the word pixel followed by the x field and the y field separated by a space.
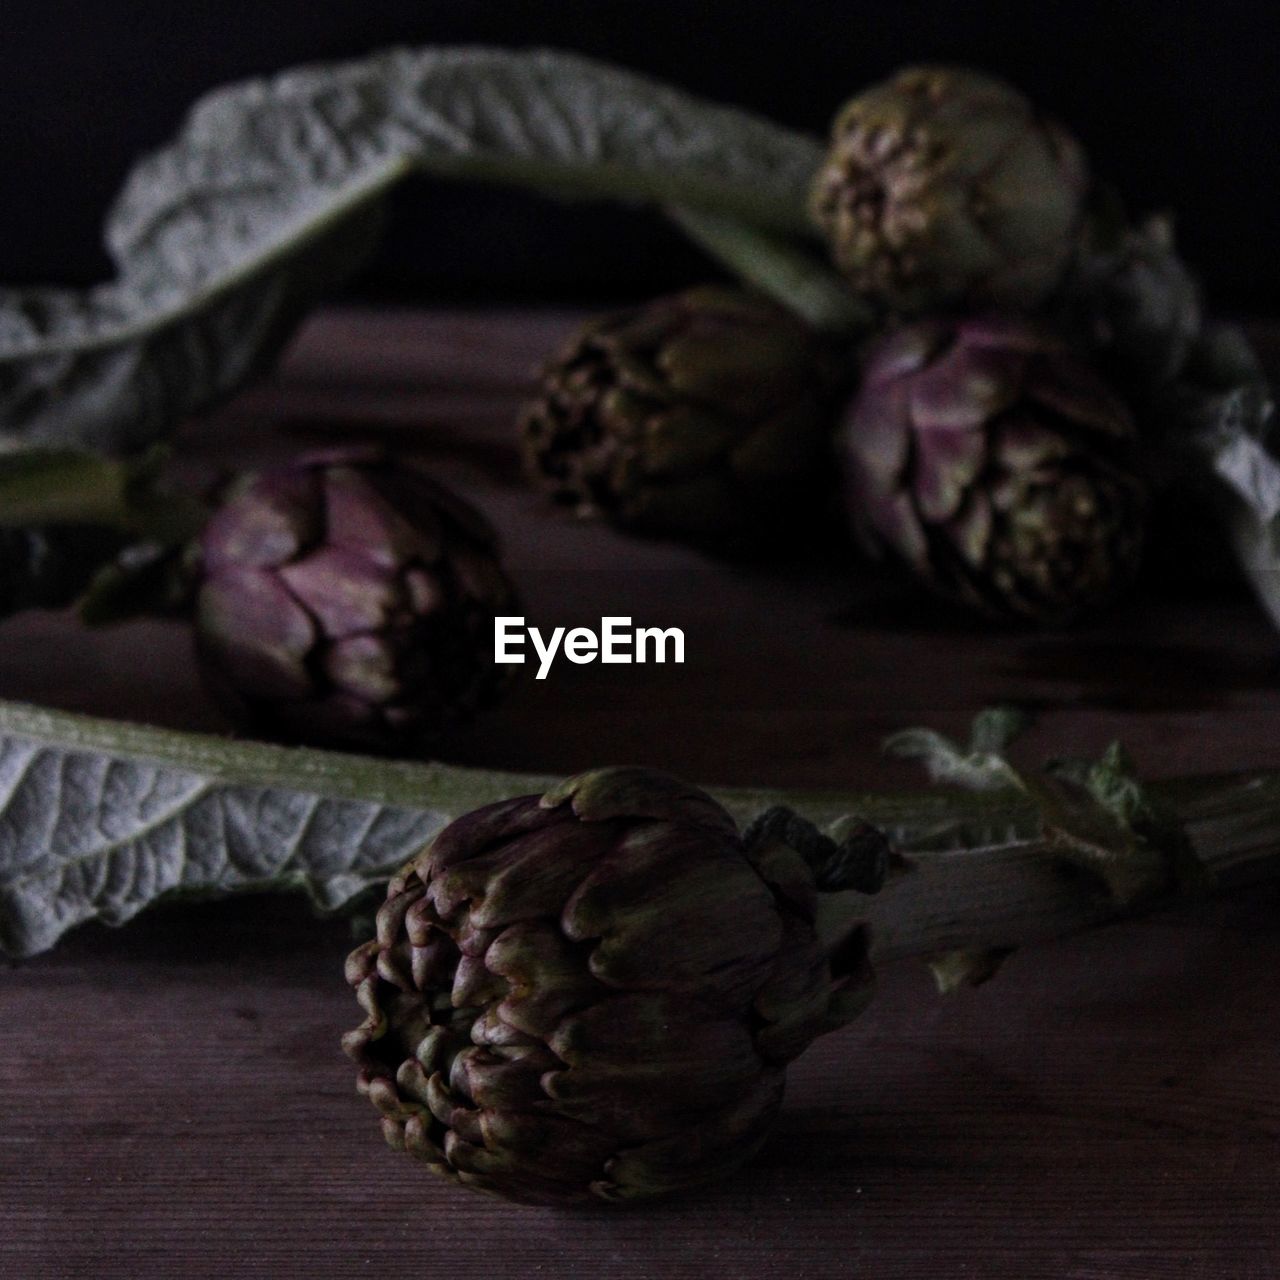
pixel 173 1101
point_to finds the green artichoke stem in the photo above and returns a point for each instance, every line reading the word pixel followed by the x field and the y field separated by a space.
pixel 991 899
pixel 71 487
pixel 981 876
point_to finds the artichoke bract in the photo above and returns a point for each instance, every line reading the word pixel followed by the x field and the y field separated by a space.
pixel 348 601
pixel 592 995
pixel 945 187
pixel 702 416
pixel 999 466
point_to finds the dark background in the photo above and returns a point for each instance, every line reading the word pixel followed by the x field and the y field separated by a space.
pixel 1177 100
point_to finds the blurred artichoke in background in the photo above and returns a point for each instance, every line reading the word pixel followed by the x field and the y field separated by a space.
pixel 944 187
pixel 999 466
pixel 593 994
pixel 704 416
pixel 1136 307
pixel 346 601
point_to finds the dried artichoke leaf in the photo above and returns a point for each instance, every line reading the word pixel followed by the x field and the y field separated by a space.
pixel 99 820
pixel 270 195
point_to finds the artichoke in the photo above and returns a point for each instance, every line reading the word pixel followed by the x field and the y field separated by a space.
pixel 942 187
pixel 703 416
pixel 999 466
pixel 345 601
pixel 593 994
pixel 1136 307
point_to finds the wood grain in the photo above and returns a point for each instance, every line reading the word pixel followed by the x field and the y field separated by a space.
pixel 172 1099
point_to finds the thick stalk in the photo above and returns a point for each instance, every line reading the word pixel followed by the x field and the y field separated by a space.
pixel 53 488
pixel 1234 815
pixel 932 818
pixel 991 898
pixel 975 872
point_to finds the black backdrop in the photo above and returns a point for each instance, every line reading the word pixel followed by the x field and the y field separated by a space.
pixel 1176 99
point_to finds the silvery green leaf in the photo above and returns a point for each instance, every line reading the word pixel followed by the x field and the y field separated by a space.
pixel 1226 412
pixel 1257 545
pixel 948 762
pixel 979 764
pixel 1199 390
pixel 271 192
pixel 99 820
pixel 994 729
pixel 1242 459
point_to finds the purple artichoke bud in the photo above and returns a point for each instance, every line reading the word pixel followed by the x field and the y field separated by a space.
pixel 593 994
pixel 704 416
pixel 999 466
pixel 346 601
pixel 945 187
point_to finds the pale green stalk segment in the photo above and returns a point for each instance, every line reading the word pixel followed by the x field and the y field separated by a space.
pixel 786 270
pixel 100 819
